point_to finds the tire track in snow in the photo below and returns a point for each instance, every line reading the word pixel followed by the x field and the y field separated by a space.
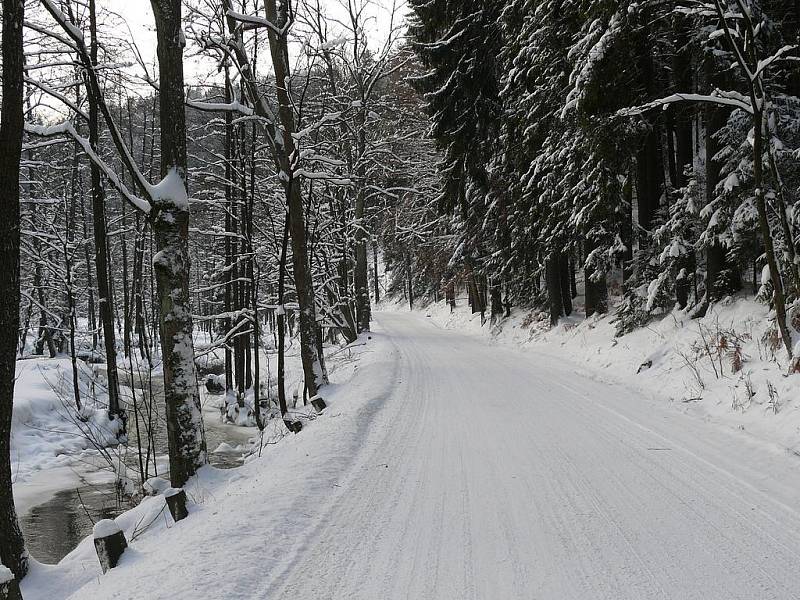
pixel 514 477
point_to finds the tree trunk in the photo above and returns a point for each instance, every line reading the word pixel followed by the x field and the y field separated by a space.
pixel 670 134
pixel 281 322
pixel 573 281
pixel 68 266
pixel 409 282
pixel 766 234
pixel 649 179
pixel 236 291
pixel 626 232
pixel 227 273
pixel 170 217
pixel 140 321
pixel 716 261
pixel 313 368
pixel 88 261
pixel 684 151
pixel 649 163
pixel 105 299
pixel 596 290
pixel 43 335
pixel 363 308
pixel 781 203
pixel 244 303
pixel 127 309
pixel 475 296
pixel 685 268
pixel 256 352
pixel 363 312
pixel 73 355
pixel 12 544
pixel 553 282
pixel 564 281
pixel 375 279
pixel 596 294
pixel 496 298
pixel 683 113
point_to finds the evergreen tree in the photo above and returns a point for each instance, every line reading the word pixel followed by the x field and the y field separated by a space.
pixel 458 44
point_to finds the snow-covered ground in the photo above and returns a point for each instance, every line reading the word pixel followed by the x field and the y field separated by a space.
pixel 446 467
pixel 721 368
pixel 54 446
pixel 242 516
pixel 51 449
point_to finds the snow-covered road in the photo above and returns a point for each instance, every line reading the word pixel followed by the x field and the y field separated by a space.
pixel 497 474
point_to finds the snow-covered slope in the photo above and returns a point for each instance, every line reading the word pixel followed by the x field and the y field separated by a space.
pixel 243 521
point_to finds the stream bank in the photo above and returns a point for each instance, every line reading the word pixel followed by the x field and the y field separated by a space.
pixel 58 507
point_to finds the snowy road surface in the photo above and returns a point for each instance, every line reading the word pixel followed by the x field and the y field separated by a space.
pixel 496 474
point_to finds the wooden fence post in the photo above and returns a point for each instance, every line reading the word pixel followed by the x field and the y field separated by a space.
pixel 176 501
pixel 109 542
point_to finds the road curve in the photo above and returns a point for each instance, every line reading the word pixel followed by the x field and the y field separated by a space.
pixel 498 474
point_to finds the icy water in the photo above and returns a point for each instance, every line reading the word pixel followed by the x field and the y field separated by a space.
pixel 54 528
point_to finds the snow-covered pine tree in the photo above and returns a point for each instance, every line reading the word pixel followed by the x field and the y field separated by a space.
pixel 745 31
pixel 458 44
pixel 566 163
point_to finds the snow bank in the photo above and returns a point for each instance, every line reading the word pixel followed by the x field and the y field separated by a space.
pixel 156 485
pixel 47 432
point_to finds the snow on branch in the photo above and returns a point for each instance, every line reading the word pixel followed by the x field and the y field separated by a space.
pixel 327 118
pixel 49 32
pixel 321 175
pixel 595 54
pixel 234 49
pixel 252 22
pixel 221 107
pixel 455 32
pixel 234 106
pixel 27 147
pixel 74 32
pixel 57 95
pixel 170 192
pixel 67 128
pixel 720 98
pixel 90 68
pixel 764 64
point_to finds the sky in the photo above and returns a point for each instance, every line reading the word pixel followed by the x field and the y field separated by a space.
pixel 139 17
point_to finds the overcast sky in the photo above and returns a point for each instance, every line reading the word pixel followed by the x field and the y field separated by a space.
pixel 139 17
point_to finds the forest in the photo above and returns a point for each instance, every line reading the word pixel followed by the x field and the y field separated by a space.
pixel 220 215
pixel 651 142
